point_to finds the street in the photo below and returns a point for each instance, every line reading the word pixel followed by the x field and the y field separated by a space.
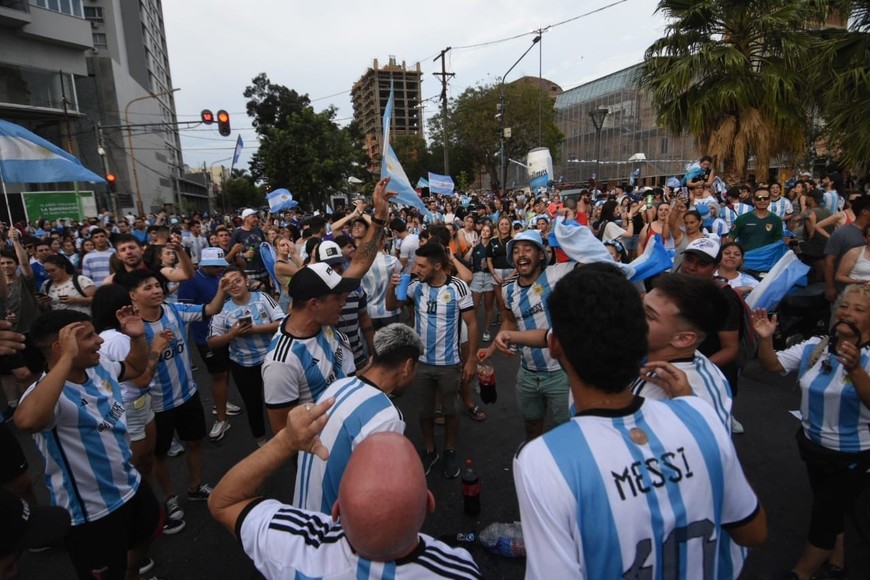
pixel 206 550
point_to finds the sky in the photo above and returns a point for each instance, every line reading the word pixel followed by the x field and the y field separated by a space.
pixel 216 47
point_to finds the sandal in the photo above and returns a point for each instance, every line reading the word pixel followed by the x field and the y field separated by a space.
pixel 476 413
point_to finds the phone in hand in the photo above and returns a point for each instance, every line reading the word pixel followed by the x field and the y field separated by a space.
pixel 246 320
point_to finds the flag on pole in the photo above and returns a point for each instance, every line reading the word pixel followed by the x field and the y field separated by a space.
pixel 329 209
pixel 280 199
pixel 392 168
pixel 422 183
pixel 238 151
pixel 785 274
pixel 442 184
pixel 28 158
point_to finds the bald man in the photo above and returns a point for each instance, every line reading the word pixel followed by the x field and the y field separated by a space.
pixel 379 533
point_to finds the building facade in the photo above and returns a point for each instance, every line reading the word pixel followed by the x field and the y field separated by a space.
pixel 370 94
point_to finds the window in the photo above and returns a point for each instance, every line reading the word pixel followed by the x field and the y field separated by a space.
pixel 94 14
pixel 100 40
pixel 664 145
pixel 71 7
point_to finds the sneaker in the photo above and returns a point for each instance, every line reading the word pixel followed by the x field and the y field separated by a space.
pixel 232 410
pixel 201 493
pixel 148 564
pixel 736 426
pixel 173 527
pixel 451 464
pixel 218 430
pixel 429 459
pixel 175 449
pixel 486 336
pixel 173 509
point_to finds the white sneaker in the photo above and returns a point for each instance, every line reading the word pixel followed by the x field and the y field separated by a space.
pixel 175 449
pixel 486 336
pixel 232 410
pixel 218 430
pixel 736 426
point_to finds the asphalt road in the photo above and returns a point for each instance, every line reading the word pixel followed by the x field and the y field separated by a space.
pixel 205 550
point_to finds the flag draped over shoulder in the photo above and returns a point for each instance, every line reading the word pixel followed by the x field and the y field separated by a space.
pixel 392 168
pixel 785 274
pixel 280 199
pixel 28 158
pixel 442 184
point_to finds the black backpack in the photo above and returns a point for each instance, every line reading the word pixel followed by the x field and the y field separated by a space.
pixel 75 280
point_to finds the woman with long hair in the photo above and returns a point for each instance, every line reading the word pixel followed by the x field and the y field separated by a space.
pixel 65 289
pixel 287 264
pixel 481 282
pixel 168 264
pixel 729 269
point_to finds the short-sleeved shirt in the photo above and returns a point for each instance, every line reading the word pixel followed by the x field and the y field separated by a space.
pixel 68 288
pixel 360 410
pixel 95 265
pixel 841 241
pixel 200 289
pixel 348 324
pixel 247 351
pixel 832 413
pixel 650 489
pixel 711 343
pixel 407 251
pixel 754 232
pixel 528 304
pixel 250 239
pixel 438 318
pixel 116 347
pixel 173 382
pixel 286 542
pixel 298 369
pixel 86 447
pixel 781 207
pixel 375 283
pixel 497 251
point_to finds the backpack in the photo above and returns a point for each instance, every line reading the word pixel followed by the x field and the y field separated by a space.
pixel 747 337
pixel 75 280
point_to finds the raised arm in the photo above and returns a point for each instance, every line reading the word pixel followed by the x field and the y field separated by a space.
pixel 373 241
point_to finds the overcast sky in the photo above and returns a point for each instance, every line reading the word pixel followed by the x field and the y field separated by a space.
pixel 321 48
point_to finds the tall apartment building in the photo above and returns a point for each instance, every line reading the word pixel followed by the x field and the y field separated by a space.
pixel 370 94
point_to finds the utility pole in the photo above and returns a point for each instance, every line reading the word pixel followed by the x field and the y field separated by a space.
pixel 444 76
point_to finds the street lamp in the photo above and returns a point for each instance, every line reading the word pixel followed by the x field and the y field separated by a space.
pixel 139 205
pixel 598 116
pixel 501 104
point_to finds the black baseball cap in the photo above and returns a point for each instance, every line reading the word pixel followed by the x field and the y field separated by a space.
pixel 318 280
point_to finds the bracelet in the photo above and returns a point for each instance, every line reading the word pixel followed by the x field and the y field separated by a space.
pixel 379 221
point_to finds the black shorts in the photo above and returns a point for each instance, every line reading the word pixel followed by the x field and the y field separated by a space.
pixel 12 460
pixel 99 549
pixel 188 419
pixel 216 360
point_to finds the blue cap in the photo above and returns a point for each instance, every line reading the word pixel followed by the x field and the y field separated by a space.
pixel 531 236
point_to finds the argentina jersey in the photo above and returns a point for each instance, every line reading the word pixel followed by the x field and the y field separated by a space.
pixel 299 369
pixel 438 318
pixel 832 414
pixel 781 207
pixel 645 494
pixel 375 284
pixel 528 304
pixel 247 351
pixel 360 409
pixel 173 382
pixel 86 447
pixel 706 380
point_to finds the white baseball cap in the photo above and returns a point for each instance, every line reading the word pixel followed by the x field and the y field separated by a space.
pixel 213 257
pixel 247 212
pixel 704 247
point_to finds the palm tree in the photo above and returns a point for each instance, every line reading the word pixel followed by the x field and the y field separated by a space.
pixel 730 72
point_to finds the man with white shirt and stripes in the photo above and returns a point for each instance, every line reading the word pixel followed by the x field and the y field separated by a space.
pixel 362 407
pixel 377 279
pixel 629 487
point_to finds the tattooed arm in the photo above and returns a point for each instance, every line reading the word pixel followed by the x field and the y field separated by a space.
pixel 371 244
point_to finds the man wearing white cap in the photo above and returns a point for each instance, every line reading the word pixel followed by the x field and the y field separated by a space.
pixel 251 236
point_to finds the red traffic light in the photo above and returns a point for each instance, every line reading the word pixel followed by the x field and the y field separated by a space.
pixel 223 120
pixel 207 117
pixel 110 177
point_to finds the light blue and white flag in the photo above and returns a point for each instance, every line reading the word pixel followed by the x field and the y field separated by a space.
pixel 280 199
pixel 634 175
pixel 422 183
pixel 442 184
pixel 28 158
pixel 654 260
pixel 269 257
pixel 763 259
pixel 785 274
pixel 329 209
pixel 238 151
pixel 392 168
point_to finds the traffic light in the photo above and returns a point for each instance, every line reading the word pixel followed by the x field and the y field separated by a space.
pixel 207 117
pixel 111 182
pixel 223 120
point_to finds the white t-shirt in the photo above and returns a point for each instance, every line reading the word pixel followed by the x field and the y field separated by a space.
pixel 68 288
pixel 407 251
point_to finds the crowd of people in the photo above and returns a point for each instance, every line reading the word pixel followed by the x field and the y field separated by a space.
pixel 626 396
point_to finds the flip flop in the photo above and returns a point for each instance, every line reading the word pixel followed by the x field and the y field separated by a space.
pixel 476 413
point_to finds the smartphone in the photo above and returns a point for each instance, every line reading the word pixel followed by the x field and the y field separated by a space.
pixel 246 320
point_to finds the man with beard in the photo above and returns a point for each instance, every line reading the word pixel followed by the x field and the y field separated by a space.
pixel 132 258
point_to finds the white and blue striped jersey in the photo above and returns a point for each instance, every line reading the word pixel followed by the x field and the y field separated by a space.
pixel 360 410
pixel 643 493
pixel 375 284
pixel 286 542
pixel 528 304
pixel 781 207
pixel 86 447
pixel 348 324
pixel 730 213
pixel 95 265
pixel 173 382
pixel 116 346
pixel 706 380
pixel 298 370
pixel 438 318
pixel 831 201
pixel 832 414
pixel 247 351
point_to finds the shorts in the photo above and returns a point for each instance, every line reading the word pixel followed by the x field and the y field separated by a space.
pixel 481 282
pixel 535 389
pixel 10 362
pixel 441 379
pixel 502 273
pixel 98 549
pixel 139 413
pixel 216 360
pixel 188 419
pixel 12 459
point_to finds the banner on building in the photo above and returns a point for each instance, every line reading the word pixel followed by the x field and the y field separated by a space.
pixel 59 205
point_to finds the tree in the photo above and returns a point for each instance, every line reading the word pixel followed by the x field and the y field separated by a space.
pixel 240 191
pixel 300 149
pixel 730 73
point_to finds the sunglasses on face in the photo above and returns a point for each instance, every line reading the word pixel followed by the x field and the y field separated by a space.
pixel 762 198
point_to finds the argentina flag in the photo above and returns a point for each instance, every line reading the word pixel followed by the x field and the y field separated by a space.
pixel 785 274
pixel 280 199
pixel 763 259
pixel 392 168
pixel 238 150
pixel 442 184
pixel 28 158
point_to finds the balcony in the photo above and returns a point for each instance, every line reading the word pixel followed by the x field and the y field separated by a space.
pixel 57 28
pixel 14 13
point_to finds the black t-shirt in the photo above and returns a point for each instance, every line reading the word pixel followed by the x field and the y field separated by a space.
pixel 712 345
pixel 250 239
pixel 497 250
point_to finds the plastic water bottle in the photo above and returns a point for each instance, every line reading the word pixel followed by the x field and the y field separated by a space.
pixel 486 382
pixel 504 539
pixel 470 490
